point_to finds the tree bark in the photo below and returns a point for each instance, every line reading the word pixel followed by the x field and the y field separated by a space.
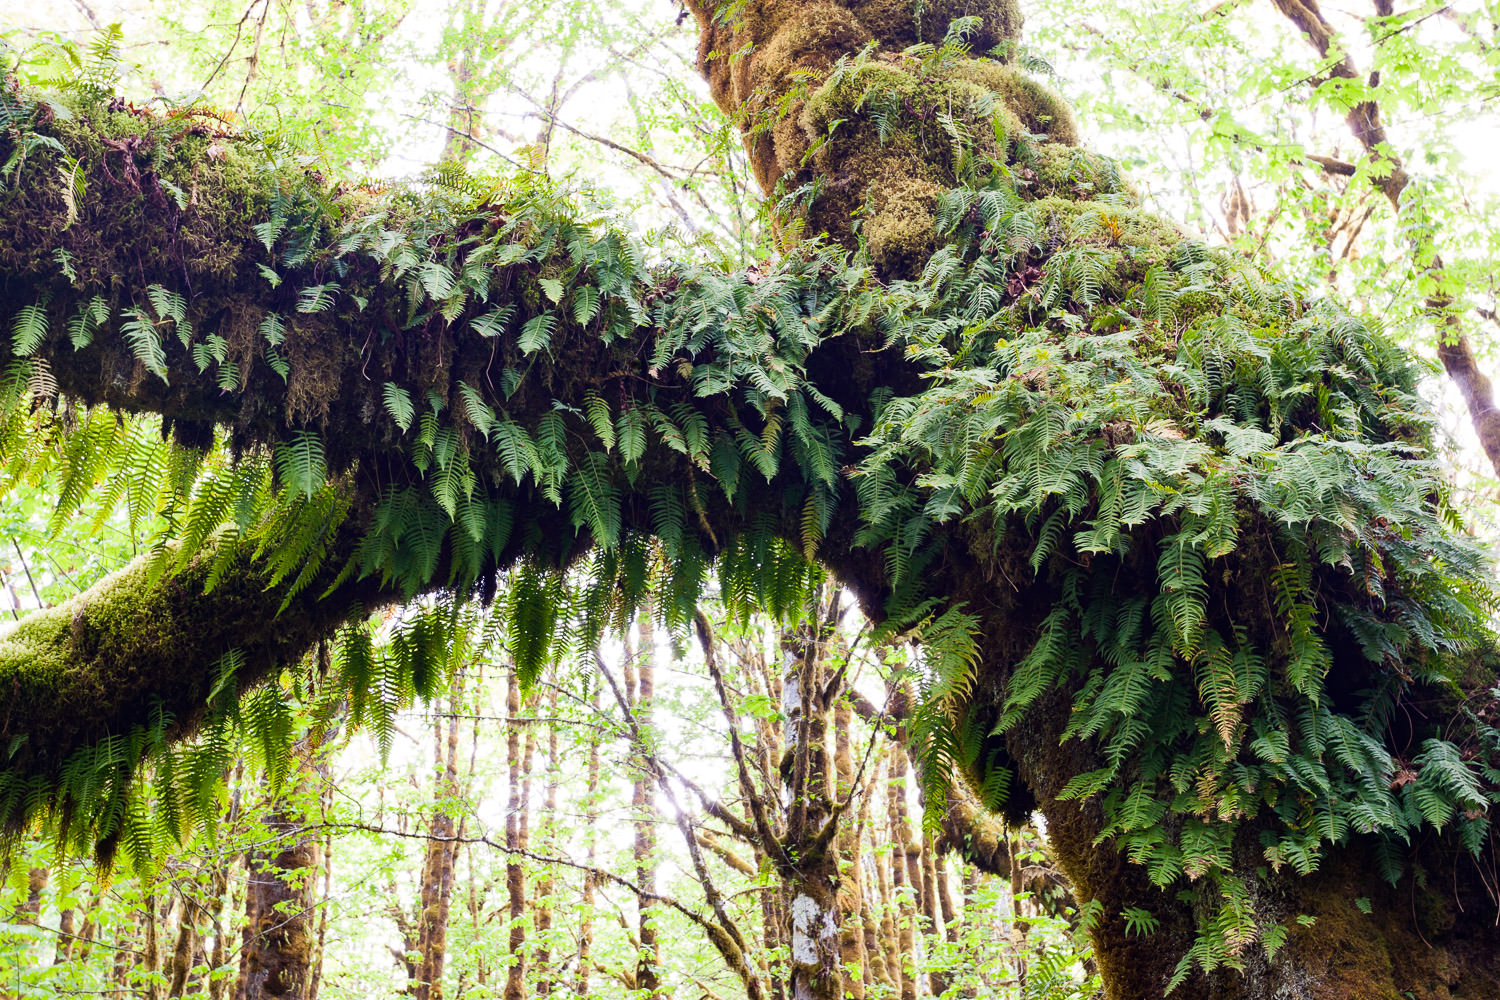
pixel 276 952
pixel 591 840
pixel 889 938
pixel 151 950
pixel 903 892
pixel 546 884
pixel 181 963
pixel 67 935
pixel 640 685
pixel 436 896
pixel 515 840
pixel 851 881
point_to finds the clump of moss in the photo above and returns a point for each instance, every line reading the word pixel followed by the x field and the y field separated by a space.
pixel 897 24
pixel 1133 240
pixel 192 187
pixel 1049 170
pixel 1041 110
pixel 891 135
pixel 899 230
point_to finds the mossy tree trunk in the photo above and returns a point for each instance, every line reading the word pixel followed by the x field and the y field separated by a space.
pixel 807 856
pixel 585 951
pixel 547 973
pixel 770 86
pixel 277 951
pixel 850 836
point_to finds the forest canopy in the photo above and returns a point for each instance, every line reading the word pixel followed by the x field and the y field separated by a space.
pixel 1157 539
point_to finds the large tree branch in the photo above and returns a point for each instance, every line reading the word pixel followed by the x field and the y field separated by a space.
pixel 1391 179
pixel 95 681
pixel 145 284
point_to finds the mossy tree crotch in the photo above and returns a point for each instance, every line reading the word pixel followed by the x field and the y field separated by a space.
pixel 1188 584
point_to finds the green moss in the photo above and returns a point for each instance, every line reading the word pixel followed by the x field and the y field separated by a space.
pixel 190 192
pixel 48 658
pixel 1140 235
pixel 1051 170
pixel 897 24
pixel 899 230
pixel 1041 109
pixel 892 136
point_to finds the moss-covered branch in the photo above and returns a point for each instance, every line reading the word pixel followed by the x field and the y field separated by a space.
pixel 93 684
pixel 1168 531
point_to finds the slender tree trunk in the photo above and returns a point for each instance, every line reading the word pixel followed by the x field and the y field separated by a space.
pixel 320 946
pixel 515 840
pixel 772 928
pixel 932 913
pixel 643 804
pixel 810 873
pixel 873 971
pixel 902 887
pixel 475 62
pixel 224 890
pixel 436 897
pixel 546 883
pixel 277 949
pixel 183 950
pixel 66 936
pixel 945 895
pixel 85 940
pixel 890 940
pixel 851 884
pixel 591 841
pixel 276 956
pixel 125 950
pixel 151 956
pixel 1020 925
pixel 218 955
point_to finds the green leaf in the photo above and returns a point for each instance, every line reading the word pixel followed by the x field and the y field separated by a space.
pixel 437 280
pixel 300 464
pixel 536 335
pixel 630 431
pixel 140 333
pixel 317 298
pixel 494 322
pixel 273 328
pixel 599 418
pixel 28 329
pixel 476 409
pixel 399 405
pixel 585 304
